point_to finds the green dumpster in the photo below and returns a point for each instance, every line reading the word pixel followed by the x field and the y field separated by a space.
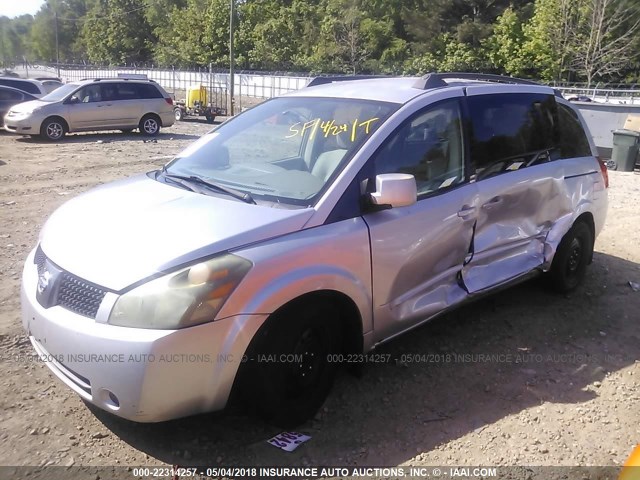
pixel 625 149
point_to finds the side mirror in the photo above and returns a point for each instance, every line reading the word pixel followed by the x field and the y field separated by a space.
pixel 395 190
pixel 72 100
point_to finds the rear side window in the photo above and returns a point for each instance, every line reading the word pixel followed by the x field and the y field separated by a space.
pixel 573 140
pixel 148 91
pixel 127 91
pixel 24 86
pixel 512 131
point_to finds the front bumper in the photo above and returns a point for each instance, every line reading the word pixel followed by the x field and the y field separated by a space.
pixel 138 374
pixel 22 125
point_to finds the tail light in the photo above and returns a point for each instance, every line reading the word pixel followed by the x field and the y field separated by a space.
pixel 605 172
pixel 169 100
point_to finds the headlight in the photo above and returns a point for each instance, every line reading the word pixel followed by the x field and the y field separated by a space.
pixel 23 114
pixel 191 296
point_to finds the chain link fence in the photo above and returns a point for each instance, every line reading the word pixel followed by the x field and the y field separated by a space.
pixel 249 87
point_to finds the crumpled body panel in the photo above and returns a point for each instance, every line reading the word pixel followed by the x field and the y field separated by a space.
pixel 517 212
pixel 426 258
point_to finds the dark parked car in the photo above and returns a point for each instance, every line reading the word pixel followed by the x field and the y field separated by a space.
pixel 10 96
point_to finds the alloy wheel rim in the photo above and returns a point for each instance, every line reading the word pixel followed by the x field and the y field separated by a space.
pixel 54 130
pixel 150 126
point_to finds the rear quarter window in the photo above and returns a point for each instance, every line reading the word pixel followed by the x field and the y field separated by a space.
pixel 573 139
pixel 148 91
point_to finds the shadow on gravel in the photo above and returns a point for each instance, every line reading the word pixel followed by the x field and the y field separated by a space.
pixel 110 136
pixel 217 121
pixel 494 358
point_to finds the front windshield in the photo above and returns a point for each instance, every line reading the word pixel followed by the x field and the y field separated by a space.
pixel 284 150
pixel 60 93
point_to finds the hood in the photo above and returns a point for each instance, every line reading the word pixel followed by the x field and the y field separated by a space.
pixel 122 232
pixel 29 106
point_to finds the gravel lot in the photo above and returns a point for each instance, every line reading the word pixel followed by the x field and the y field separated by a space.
pixel 565 394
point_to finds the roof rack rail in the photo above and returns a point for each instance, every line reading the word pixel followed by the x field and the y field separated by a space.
pixel 133 76
pixel 98 79
pixel 341 78
pixel 435 80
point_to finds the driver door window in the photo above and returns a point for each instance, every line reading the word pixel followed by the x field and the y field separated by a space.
pixel 428 146
pixel 88 94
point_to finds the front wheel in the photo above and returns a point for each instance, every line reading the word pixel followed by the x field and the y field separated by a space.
pixel 149 125
pixel 571 259
pixel 178 114
pixel 289 373
pixel 53 129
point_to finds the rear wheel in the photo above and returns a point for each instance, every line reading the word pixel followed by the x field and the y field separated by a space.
pixel 289 370
pixel 53 129
pixel 570 261
pixel 149 125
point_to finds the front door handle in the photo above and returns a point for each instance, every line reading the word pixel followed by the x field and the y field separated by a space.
pixel 466 211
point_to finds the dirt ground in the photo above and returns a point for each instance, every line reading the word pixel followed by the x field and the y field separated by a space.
pixel 563 390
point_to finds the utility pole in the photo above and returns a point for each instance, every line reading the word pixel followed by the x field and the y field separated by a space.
pixel 4 54
pixel 231 59
pixel 57 46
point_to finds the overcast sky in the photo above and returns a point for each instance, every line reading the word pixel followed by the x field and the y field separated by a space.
pixel 13 8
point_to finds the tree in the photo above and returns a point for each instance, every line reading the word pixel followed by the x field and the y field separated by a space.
pixel 550 37
pixel 505 46
pixel 605 37
pixel 353 40
pixel 42 35
pixel 271 34
pixel 117 32
pixel 13 37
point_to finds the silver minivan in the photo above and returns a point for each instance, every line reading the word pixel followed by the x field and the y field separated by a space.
pixel 95 104
pixel 303 233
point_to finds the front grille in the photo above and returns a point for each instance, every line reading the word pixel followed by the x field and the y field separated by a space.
pixel 79 296
pixel 70 292
pixel 39 259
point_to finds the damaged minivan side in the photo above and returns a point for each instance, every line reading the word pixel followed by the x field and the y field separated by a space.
pixel 311 227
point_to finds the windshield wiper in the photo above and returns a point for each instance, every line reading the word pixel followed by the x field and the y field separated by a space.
pixel 188 180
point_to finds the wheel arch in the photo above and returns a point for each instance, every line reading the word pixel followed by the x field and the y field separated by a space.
pixel 561 228
pixel 349 314
pixel 350 321
pixel 587 218
pixel 151 114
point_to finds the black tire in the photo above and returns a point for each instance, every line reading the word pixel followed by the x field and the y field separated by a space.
pixel 571 259
pixel 210 117
pixel 178 113
pixel 282 390
pixel 53 129
pixel 149 125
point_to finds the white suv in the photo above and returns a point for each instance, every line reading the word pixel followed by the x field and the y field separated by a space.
pixel 303 233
